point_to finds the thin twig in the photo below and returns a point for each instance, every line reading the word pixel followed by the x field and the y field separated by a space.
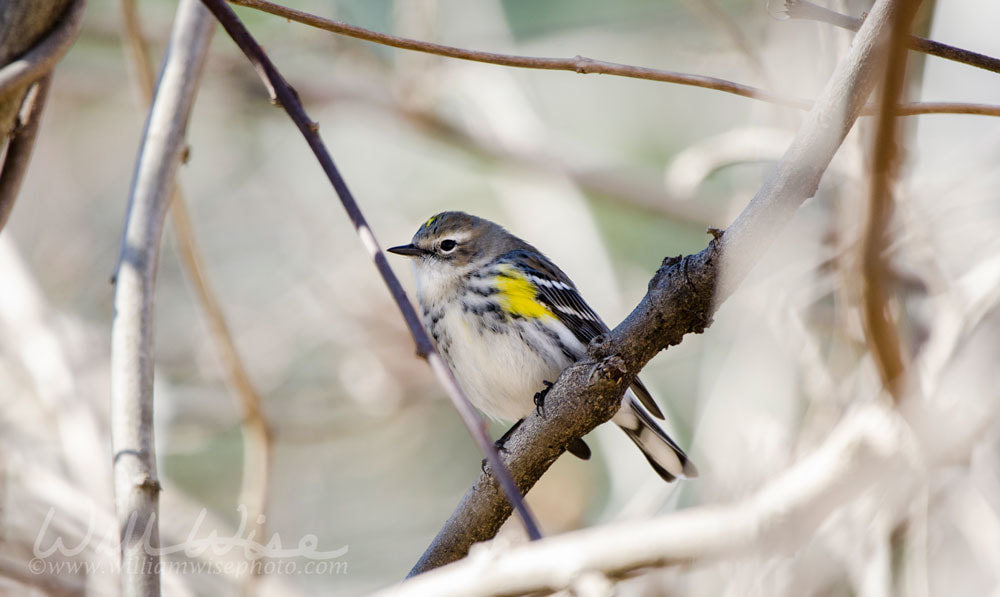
pixel 257 437
pixel 138 53
pixel 579 64
pixel 803 9
pixel 584 65
pixel 682 297
pixel 136 484
pixel 882 334
pixel 20 145
pixel 917 108
pixel 288 99
pixel 41 58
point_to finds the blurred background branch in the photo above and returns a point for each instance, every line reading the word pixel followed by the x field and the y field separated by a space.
pixel 607 175
pixel 583 65
pixel 579 64
pixel 803 9
pixel 33 37
pixel 880 324
pixel 35 62
pixel 20 142
pixel 874 446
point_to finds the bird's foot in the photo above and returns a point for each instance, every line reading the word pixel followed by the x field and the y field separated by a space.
pixel 540 399
pixel 501 443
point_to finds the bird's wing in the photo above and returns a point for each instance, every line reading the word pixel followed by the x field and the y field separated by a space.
pixel 557 292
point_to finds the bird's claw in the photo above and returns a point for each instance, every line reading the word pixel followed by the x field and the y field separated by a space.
pixel 540 399
pixel 501 444
pixel 500 449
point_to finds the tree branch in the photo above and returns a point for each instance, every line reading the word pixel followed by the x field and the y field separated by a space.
pixel 138 54
pixel 579 64
pixel 20 145
pixel 40 59
pixel 875 448
pixel 136 483
pixel 582 65
pixel 918 108
pixel 25 25
pixel 20 107
pixel 682 298
pixel 803 9
pixel 284 95
pixel 257 436
pixel 777 518
pixel 880 326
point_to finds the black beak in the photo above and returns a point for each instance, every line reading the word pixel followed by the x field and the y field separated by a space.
pixel 408 250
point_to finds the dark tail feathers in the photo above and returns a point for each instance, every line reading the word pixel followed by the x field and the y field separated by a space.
pixel 663 454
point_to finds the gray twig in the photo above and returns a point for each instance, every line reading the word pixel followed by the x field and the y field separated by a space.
pixel 257 435
pixel 136 484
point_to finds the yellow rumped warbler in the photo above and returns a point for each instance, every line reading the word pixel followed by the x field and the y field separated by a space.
pixel 508 321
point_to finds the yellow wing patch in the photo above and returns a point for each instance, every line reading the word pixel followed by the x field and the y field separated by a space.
pixel 517 294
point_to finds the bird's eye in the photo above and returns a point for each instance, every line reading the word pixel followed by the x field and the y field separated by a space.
pixel 448 245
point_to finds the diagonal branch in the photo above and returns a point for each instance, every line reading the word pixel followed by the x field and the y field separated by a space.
pixel 876 449
pixel 682 298
pixel 866 447
pixel 584 66
pixel 803 9
pixel 285 96
pixel 136 484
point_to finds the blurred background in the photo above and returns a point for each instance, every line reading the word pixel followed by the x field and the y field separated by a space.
pixel 606 175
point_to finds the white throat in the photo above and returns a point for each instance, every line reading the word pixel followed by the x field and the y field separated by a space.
pixel 436 280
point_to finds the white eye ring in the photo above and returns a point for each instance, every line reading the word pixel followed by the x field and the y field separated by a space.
pixel 447 245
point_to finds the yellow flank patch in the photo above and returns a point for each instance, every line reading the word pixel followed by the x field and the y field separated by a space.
pixel 430 221
pixel 517 294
